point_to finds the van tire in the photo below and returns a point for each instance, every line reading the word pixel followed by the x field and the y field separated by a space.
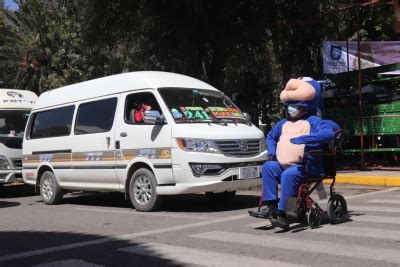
pixel 142 191
pixel 50 190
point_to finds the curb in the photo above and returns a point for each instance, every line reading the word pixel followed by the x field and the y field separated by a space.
pixel 367 180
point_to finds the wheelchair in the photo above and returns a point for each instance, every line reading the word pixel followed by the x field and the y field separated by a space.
pixel 303 208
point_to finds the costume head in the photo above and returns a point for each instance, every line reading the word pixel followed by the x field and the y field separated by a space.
pixel 302 94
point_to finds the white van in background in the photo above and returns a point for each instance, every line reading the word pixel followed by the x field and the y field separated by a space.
pixel 15 106
pixel 147 134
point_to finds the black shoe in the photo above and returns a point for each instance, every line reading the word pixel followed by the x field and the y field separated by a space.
pixel 265 212
pixel 280 221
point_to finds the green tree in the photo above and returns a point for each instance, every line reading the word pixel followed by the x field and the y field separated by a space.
pixel 245 48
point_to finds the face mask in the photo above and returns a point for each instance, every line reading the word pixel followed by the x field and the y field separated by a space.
pixel 293 111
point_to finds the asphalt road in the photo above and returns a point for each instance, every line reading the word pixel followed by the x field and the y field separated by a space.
pixel 102 229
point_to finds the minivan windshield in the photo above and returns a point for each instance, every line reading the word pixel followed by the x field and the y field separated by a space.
pixel 12 122
pixel 200 105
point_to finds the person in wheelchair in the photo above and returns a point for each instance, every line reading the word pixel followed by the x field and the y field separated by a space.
pixel 286 144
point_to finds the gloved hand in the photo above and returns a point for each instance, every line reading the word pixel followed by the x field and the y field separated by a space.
pixel 296 141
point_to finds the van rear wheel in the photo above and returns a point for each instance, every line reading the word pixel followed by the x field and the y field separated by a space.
pixel 50 190
pixel 142 191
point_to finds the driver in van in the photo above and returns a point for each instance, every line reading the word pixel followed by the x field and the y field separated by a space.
pixel 9 127
pixel 138 116
pixel 286 144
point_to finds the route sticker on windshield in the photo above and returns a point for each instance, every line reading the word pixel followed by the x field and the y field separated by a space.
pixel 226 112
pixel 194 113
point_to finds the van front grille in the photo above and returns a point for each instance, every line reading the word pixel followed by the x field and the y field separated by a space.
pixel 239 148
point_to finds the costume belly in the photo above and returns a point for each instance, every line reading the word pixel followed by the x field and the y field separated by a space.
pixel 287 153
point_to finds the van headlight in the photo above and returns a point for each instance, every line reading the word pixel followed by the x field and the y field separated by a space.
pixel 4 164
pixel 198 145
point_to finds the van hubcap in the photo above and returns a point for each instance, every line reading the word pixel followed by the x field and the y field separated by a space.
pixel 142 190
pixel 47 188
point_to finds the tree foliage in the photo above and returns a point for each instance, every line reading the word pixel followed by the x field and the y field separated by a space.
pixel 248 48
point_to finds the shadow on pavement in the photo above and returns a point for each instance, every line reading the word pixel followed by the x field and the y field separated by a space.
pixel 201 203
pixel 296 226
pixel 30 248
pixel 8 204
pixel 99 199
pixel 182 203
pixel 16 191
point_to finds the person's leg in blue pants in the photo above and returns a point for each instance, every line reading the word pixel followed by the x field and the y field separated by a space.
pixel 291 179
pixel 271 175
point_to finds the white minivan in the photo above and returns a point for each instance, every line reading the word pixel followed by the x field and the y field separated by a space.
pixel 15 106
pixel 147 134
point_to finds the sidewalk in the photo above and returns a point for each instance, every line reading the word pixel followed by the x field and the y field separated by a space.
pixel 381 178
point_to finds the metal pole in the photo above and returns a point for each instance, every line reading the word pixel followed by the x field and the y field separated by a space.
pixel 348 58
pixel 359 89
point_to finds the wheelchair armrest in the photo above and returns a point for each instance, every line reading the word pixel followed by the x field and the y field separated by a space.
pixel 320 152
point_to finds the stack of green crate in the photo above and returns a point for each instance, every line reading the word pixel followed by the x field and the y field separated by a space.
pixel 380 119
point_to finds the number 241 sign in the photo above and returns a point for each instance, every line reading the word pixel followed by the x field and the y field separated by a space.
pixel 195 113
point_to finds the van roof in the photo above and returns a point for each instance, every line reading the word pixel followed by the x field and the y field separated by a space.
pixel 115 84
pixel 17 99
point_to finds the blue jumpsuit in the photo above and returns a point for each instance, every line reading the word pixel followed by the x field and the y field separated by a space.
pixel 291 177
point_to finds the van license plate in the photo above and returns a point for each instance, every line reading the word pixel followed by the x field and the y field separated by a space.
pixel 248 172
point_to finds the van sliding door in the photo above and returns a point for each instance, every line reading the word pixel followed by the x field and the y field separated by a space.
pixel 93 145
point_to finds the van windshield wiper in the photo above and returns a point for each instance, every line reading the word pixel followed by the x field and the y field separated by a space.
pixel 235 120
pixel 242 120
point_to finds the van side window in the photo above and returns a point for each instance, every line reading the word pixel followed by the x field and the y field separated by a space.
pixel 95 117
pixel 52 123
pixel 136 104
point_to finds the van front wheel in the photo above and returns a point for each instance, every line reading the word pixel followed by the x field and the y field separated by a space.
pixel 142 191
pixel 50 191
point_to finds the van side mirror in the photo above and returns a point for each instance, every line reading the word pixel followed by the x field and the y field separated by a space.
pixel 153 117
pixel 247 116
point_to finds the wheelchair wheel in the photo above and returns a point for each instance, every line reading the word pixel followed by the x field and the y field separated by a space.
pixel 337 209
pixel 313 217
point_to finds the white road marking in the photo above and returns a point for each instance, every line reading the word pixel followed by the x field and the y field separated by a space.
pixel 375 219
pixel 121 237
pixel 373 208
pixel 133 212
pixel 386 254
pixel 384 191
pixel 356 218
pixel 263 223
pixel 336 249
pixel 391 189
pixel 68 263
pixel 385 201
pixel 358 232
pixel 199 256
